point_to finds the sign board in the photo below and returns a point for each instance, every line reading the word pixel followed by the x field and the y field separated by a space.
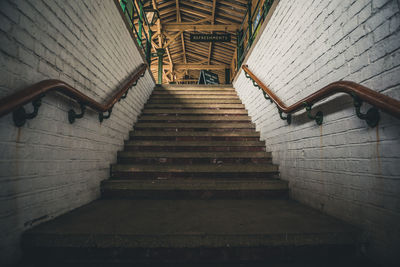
pixel 202 37
pixel 207 77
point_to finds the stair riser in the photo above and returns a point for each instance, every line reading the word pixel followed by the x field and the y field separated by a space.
pixel 194 93
pixel 194 194
pixel 203 91
pixel 179 97
pixel 194 106
pixel 190 175
pixel 194 148
pixel 195 129
pixel 194 112
pixel 194 101
pixel 127 160
pixel 194 138
pixel 188 120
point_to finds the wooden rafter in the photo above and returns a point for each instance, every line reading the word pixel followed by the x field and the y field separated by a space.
pixel 199 27
pixel 179 20
pixel 199 67
pixel 172 39
pixel 212 23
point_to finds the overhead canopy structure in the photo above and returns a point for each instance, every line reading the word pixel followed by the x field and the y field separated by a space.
pixel 182 59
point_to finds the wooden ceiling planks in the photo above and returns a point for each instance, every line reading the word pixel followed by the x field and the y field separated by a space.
pixel 181 51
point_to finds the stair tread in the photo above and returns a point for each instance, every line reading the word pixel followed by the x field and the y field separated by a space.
pixel 195 105
pixel 196 118
pixel 192 143
pixel 193 87
pixel 198 168
pixel 194 92
pixel 193 96
pixel 194 111
pixel 184 154
pixel 190 223
pixel 193 101
pixel 196 134
pixel 195 184
pixel 196 124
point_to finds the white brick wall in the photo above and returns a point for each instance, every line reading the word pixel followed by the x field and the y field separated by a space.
pixel 49 166
pixel 343 168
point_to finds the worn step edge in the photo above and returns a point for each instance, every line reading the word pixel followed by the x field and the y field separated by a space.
pixel 188 96
pixel 163 154
pixel 194 118
pixel 197 112
pixel 189 240
pixel 193 87
pixel 193 101
pixel 194 105
pixel 193 143
pixel 195 92
pixel 203 168
pixel 195 184
pixel 195 134
pixel 194 125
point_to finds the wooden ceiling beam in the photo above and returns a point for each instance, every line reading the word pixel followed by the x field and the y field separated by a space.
pixel 234 5
pixel 203 2
pixel 194 12
pixel 165 4
pixel 172 39
pixel 198 27
pixel 200 67
pixel 207 9
pixel 225 20
pixel 212 23
pixel 201 57
pixel 167 10
pixel 230 11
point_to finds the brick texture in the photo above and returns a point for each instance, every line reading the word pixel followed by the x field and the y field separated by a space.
pixel 343 168
pixel 49 166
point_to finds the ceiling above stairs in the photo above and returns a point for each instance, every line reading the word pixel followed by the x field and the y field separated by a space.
pixel 184 59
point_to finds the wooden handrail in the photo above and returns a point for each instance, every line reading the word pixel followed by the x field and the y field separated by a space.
pixel 15 102
pixel 358 92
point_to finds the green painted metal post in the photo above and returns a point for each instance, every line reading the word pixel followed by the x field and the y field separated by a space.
pixel 140 24
pixel 160 54
pixel 148 48
pixel 123 4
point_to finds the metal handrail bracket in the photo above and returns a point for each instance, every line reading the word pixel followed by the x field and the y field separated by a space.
pixel 358 92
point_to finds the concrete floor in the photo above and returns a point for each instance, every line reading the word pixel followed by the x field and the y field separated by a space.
pixel 191 223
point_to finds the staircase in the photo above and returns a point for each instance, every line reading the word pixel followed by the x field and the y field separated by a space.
pixel 193 186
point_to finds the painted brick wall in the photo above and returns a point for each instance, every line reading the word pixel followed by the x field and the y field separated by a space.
pixel 343 168
pixel 49 166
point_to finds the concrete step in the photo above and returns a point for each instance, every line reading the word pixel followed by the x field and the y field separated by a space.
pixel 193 101
pixel 188 118
pixel 192 87
pixel 168 157
pixel 195 105
pixel 198 111
pixel 356 262
pixel 195 136
pixel 192 231
pixel 192 96
pixel 171 145
pixel 195 125
pixel 214 171
pixel 195 92
pixel 194 143
pixel 194 189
